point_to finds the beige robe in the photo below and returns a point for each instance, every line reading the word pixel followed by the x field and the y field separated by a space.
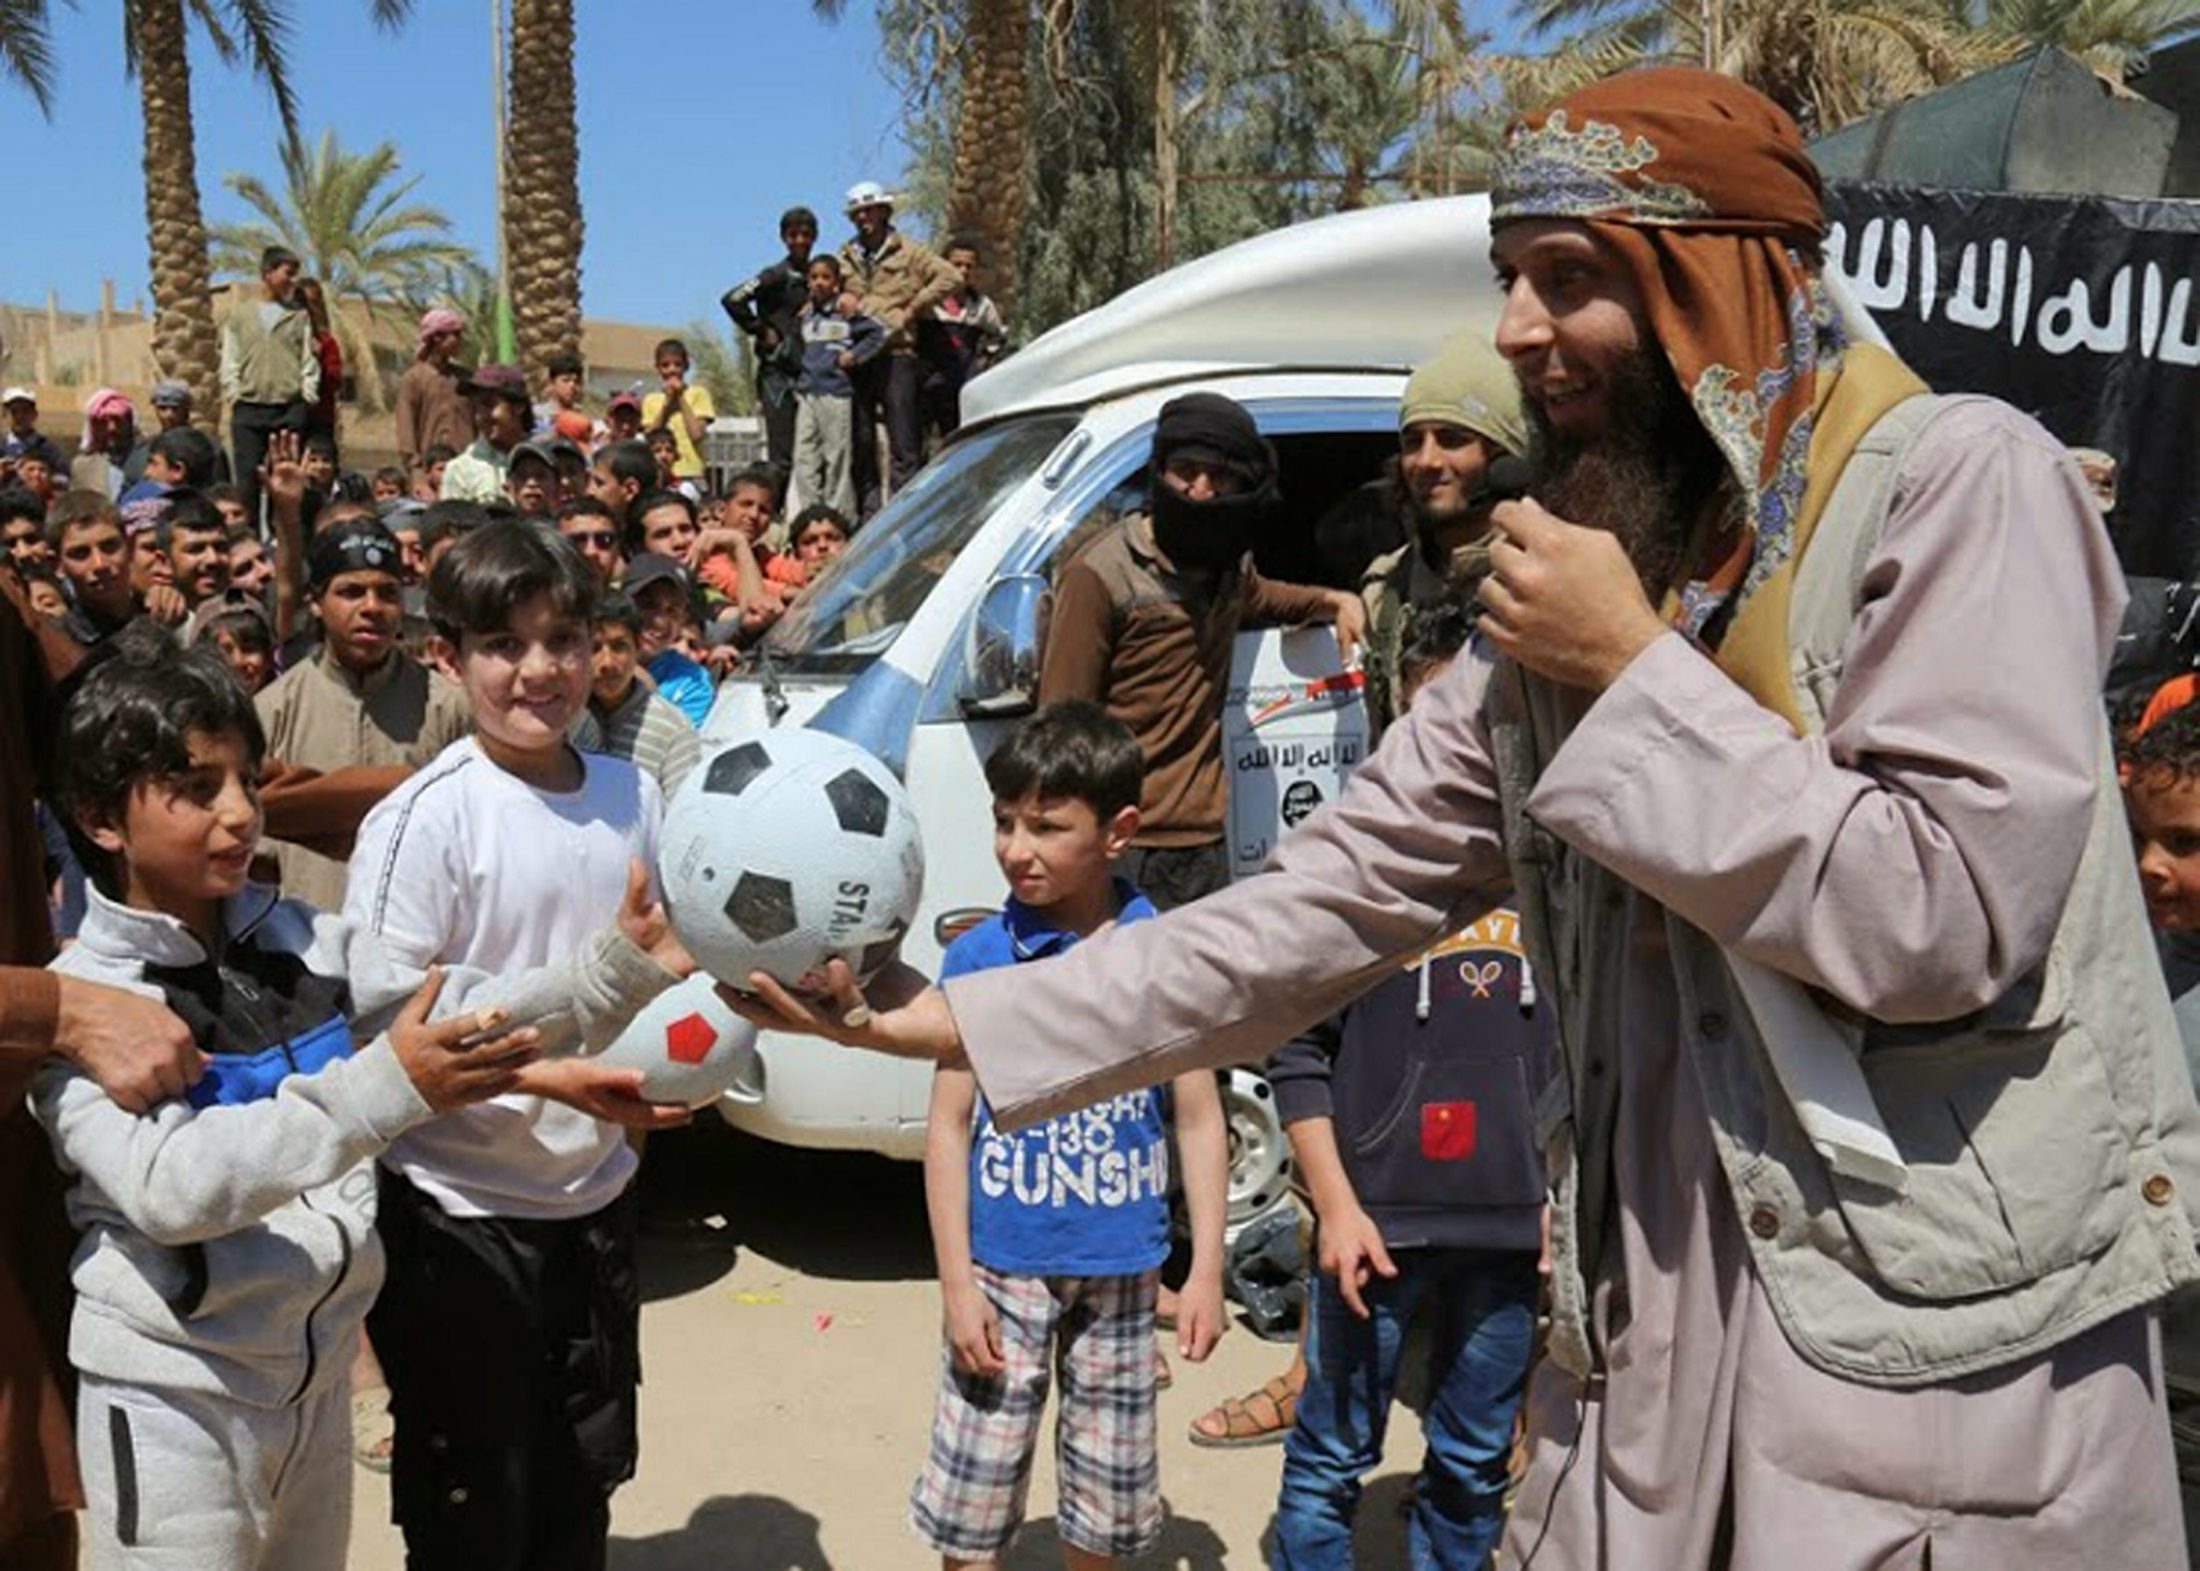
pixel 1911 862
pixel 320 715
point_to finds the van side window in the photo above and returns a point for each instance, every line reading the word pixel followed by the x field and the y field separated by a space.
pixel 1339 510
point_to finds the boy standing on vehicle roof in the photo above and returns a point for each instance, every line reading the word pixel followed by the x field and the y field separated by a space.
pixel 766 308
pixel 1145 620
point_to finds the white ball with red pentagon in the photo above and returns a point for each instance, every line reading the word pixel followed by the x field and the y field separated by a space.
pixel 784 850
pixel 690 1048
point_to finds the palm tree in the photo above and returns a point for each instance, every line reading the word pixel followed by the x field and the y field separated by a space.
pixel 542 196
pixel 2112 36
pixel 347 217
pixel 992 137
pixel 1825 61
pixel 255 33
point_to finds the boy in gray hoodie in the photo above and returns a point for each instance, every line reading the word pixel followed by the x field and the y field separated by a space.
pixel 228 1250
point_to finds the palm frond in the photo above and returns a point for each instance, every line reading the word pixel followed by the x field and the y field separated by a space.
pixel 26 49
pixel 261 40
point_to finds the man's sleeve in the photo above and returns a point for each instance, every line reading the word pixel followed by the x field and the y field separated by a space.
pixel 739 303
pixel 322 812
pixel 938 280
pixel 867 336
pixel 682 753
pixel 1914 860
pixel 231 363
pixel 1409 850
pixel 1272 604
pixel 449 715
pixel 408 424
pixel 30 1015
pixel 1080 638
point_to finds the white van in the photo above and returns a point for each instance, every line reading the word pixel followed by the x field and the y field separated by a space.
pixel 922 642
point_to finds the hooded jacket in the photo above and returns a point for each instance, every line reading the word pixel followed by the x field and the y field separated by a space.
pixel 1431 1080
pixel 228 1241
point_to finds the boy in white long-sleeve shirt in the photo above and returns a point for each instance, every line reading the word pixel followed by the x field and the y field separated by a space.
pixel 510 1323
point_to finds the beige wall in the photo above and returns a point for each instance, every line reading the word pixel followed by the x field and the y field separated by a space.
pixel 63 355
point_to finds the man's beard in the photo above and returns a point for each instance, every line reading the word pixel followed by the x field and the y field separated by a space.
pixel 1645 477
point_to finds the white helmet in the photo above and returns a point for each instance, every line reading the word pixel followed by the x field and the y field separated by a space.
pixel 868 193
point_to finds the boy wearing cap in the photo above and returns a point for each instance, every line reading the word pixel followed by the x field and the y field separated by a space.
pixel 505 412
pixel 431 408
pixel 171 403
pixel 361 699
pixel 23 436
pixel 898 281
pixel 531 480
pixel 622 417
pixel 663 593
pixel 270 371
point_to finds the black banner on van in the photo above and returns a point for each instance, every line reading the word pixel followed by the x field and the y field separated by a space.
pixel 2078 310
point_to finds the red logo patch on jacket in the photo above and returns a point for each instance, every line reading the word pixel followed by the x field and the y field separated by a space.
pixel 1447 1131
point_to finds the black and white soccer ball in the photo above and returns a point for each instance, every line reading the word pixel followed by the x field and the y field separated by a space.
pixel 784 850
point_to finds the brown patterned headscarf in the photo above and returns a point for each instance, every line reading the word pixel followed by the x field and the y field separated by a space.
pixel 1702 186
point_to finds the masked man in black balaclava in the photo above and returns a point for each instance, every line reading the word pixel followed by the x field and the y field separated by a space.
pixel 1144 620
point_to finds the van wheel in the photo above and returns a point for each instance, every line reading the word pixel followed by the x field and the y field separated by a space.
pixel 1260 1154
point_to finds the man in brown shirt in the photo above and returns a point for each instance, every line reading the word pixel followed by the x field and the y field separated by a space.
pixel 430 408
pixel 1145 619
pixel 362 699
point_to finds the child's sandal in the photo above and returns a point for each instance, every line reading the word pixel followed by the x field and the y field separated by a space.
pixel 1244 1423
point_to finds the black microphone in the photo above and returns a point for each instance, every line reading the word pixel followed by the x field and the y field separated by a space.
pixel 1506 480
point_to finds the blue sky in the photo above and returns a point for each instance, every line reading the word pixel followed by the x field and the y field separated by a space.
pixel 701 120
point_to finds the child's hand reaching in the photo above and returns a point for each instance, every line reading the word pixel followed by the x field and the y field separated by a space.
pixel 1201 1316
pixel 972 1327
pixel 643 920
pixel 460 1060
pixel 601 1091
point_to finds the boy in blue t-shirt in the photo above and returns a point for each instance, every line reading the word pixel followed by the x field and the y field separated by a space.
pixel 1050 1241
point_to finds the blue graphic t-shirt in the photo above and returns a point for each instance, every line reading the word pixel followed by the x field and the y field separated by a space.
pixel 1085 1193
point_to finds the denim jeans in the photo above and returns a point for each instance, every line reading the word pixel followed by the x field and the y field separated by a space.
pixel 1482 1308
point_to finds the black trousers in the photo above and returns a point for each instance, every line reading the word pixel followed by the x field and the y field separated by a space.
pixel 250 425
pixel 775 402
pixel 889 387
pixel 513 1351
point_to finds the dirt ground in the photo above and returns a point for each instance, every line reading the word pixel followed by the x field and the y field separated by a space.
pixel 790 1342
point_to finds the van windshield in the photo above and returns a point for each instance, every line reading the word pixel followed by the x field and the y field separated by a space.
pixel 857 607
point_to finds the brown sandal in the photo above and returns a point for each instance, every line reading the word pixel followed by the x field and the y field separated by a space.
pixel 1245 1424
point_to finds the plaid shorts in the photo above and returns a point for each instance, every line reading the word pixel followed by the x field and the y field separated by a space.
pixel 1098 1332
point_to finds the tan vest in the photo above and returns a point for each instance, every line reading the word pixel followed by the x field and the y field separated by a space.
pixel 2046 1138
